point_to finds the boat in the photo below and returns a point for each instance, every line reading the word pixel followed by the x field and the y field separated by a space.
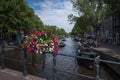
pixel 76 38
pixel 86 53
pixel 63 39
pixel 61 44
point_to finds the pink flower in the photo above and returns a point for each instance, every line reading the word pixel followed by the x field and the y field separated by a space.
pixel 41 46
pixel 32 42
pixel 40 33
pixel 36 33
pixel 55 40
pixel 29 49
pixel 34 50
pixel 56 49
pixel 41 41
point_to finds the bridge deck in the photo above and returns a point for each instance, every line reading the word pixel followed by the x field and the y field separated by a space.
pixel 8 74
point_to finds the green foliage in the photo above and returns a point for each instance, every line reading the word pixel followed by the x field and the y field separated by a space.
pixel 92 13
pixel 60 31
pixel 55 30
pixel 16 15
pixel 114 7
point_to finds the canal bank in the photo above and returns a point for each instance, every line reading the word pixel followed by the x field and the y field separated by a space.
pixel 110 53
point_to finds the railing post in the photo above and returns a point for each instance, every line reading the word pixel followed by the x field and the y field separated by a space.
pixel 54 64
pixel 44 59
pixel 3 56
pixel 33 59
pixel 25 63
pixel 97 68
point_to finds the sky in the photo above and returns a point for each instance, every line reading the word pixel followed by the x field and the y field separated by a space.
pixel 53 12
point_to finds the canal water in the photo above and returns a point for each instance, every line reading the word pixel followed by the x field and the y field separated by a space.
pixel 63 63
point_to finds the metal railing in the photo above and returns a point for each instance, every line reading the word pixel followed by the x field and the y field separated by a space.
pixel 96 60
pixel 3 57
pixel 24 61
pixel 90 77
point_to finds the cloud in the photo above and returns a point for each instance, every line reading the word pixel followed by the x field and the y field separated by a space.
pixel 55 12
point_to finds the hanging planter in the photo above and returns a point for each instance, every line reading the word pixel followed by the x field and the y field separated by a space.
pixel 40 42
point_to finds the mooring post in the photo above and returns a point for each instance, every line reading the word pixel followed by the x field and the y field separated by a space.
pixel 3 55
pixel 54 64
pixel 25 63
pixel 97 67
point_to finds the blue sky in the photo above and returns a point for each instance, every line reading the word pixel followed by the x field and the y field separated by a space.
pixel 53 12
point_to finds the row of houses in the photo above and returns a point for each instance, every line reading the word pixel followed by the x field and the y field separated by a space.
pixel 110 30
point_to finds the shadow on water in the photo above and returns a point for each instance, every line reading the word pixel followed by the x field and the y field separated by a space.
pixel 67 64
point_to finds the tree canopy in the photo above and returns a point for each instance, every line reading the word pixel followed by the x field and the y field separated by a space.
pixel 82 25
pixel 114 7
pixel 16 15
pixel 55 30
pixel 92 13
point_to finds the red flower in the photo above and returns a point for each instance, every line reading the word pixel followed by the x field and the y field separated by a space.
pixel 41 46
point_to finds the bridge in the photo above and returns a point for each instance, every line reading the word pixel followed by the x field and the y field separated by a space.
pixel 5 71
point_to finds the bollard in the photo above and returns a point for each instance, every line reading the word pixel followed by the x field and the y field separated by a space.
pixel 97 68
pixel 3 56
pixel 25 63
pixel 54 64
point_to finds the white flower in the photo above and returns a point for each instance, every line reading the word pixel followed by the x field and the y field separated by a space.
pixel 43 49
pixel 50 49
pixel 52 44
pixel 46 44
pixel 40 51
pixel 37 51
pixel 38 46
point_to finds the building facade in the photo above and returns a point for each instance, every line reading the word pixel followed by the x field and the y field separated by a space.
pixel 110 31
pixel 116 30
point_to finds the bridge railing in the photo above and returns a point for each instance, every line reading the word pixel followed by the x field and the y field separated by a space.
pixel 3 57
pixel 25 62
pixel 96 60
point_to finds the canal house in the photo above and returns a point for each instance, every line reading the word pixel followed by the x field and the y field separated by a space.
pixel 110 30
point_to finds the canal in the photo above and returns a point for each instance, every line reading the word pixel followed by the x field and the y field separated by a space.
pixel 63 63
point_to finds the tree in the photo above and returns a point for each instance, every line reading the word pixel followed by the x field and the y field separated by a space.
pixel 16 15
pixel 114 7
pixel 94 10
pixel 55 30
pixel 83 24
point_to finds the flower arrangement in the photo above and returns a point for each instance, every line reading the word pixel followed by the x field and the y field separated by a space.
pixel 40 42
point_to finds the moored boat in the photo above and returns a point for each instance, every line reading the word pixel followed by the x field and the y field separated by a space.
pixel 63 39
pixel 61 44
pixel 86 53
